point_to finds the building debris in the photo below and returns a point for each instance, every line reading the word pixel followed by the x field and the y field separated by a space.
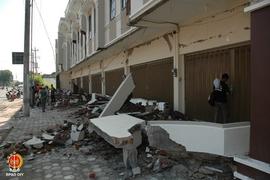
pixel 47 136
pixel 119 97
pixel 34 142
pixel 127 137
pixel 76 133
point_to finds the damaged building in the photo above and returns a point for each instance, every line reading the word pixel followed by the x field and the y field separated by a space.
pixel 174 50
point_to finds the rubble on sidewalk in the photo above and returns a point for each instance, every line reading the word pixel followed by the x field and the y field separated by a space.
pixel 34 142
pixel 118 133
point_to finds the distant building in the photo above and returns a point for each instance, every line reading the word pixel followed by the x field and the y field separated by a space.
pixel 50 78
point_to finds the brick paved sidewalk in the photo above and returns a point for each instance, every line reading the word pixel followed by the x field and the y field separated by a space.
pixel 62 162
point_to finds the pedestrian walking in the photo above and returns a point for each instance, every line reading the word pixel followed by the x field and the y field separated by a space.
pixel 43 98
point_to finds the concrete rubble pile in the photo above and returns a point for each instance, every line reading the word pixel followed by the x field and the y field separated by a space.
pixel 67 99
pixel 148 110
pixel 93 105
pixel 119 133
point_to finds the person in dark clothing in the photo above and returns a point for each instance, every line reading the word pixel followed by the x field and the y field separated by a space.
pixel 53 90
pixel 33 91
pixel 221 89
pixel 43 97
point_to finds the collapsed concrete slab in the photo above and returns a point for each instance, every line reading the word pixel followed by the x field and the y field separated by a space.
pixel 115 129
pixel 121 131
pixel 119 97
pixel 160 138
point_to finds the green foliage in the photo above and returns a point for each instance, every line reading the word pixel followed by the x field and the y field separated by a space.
pixel 38 79
pixel 6 77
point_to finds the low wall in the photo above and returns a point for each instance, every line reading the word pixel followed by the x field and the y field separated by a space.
pixel 220 139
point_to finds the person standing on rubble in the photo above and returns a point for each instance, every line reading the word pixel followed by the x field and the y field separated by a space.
pixel 43 98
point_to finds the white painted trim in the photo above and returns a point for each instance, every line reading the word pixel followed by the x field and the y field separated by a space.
pixel 259 165
pixel 241 176
pixel 257 6
pixel 125 34
pixel 149 5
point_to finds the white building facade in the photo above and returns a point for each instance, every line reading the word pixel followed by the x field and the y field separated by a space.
pixel 173 48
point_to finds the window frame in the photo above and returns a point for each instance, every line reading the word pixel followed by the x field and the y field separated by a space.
pixel 112 13
pixel 123 4
pixel 90 26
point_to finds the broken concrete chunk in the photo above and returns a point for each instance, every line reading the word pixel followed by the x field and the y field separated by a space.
pixel 136 171
pixel 96 109
pixel 80 127
pixel 160 138
pixel 119 97
pixel 73 101
pixel 35 142
pixel 149 155
pixel 61 138
pixel 68 142
pixel 84 98
pixel 75 134
pixel 47 136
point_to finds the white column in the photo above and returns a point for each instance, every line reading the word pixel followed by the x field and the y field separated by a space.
pixel 178 79
pixel 89 80
pixel 176 98
pixel 103 85
pixel 181 66
pixel 126 67
pixel 81 78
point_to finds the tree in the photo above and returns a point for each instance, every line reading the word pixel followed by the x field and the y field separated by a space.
pixel 6 77
pixel 38 79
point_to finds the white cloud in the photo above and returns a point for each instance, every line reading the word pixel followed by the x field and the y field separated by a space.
pixel 12 33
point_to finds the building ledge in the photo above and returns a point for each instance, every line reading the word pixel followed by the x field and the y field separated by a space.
pixel 256 164
pixel 146 9
pixel 241 176
pixel 256 6
pixel 122 36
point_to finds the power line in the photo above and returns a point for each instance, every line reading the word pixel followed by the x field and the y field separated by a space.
pixel 44 26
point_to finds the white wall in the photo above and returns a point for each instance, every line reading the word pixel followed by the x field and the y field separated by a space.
pixel 155 50
pixel 225 140
pixel 135 6
pixel 224 29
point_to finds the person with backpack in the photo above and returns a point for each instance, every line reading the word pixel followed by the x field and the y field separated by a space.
pixel 220 92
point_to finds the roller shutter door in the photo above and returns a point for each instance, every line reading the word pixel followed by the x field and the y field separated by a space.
pixel 200 71
pixel 96 83
pixel 113 79
pixel 154 80
pixel 86 84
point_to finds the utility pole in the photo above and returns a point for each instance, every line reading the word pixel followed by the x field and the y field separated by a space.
pixel 26 94
pixel 35 60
